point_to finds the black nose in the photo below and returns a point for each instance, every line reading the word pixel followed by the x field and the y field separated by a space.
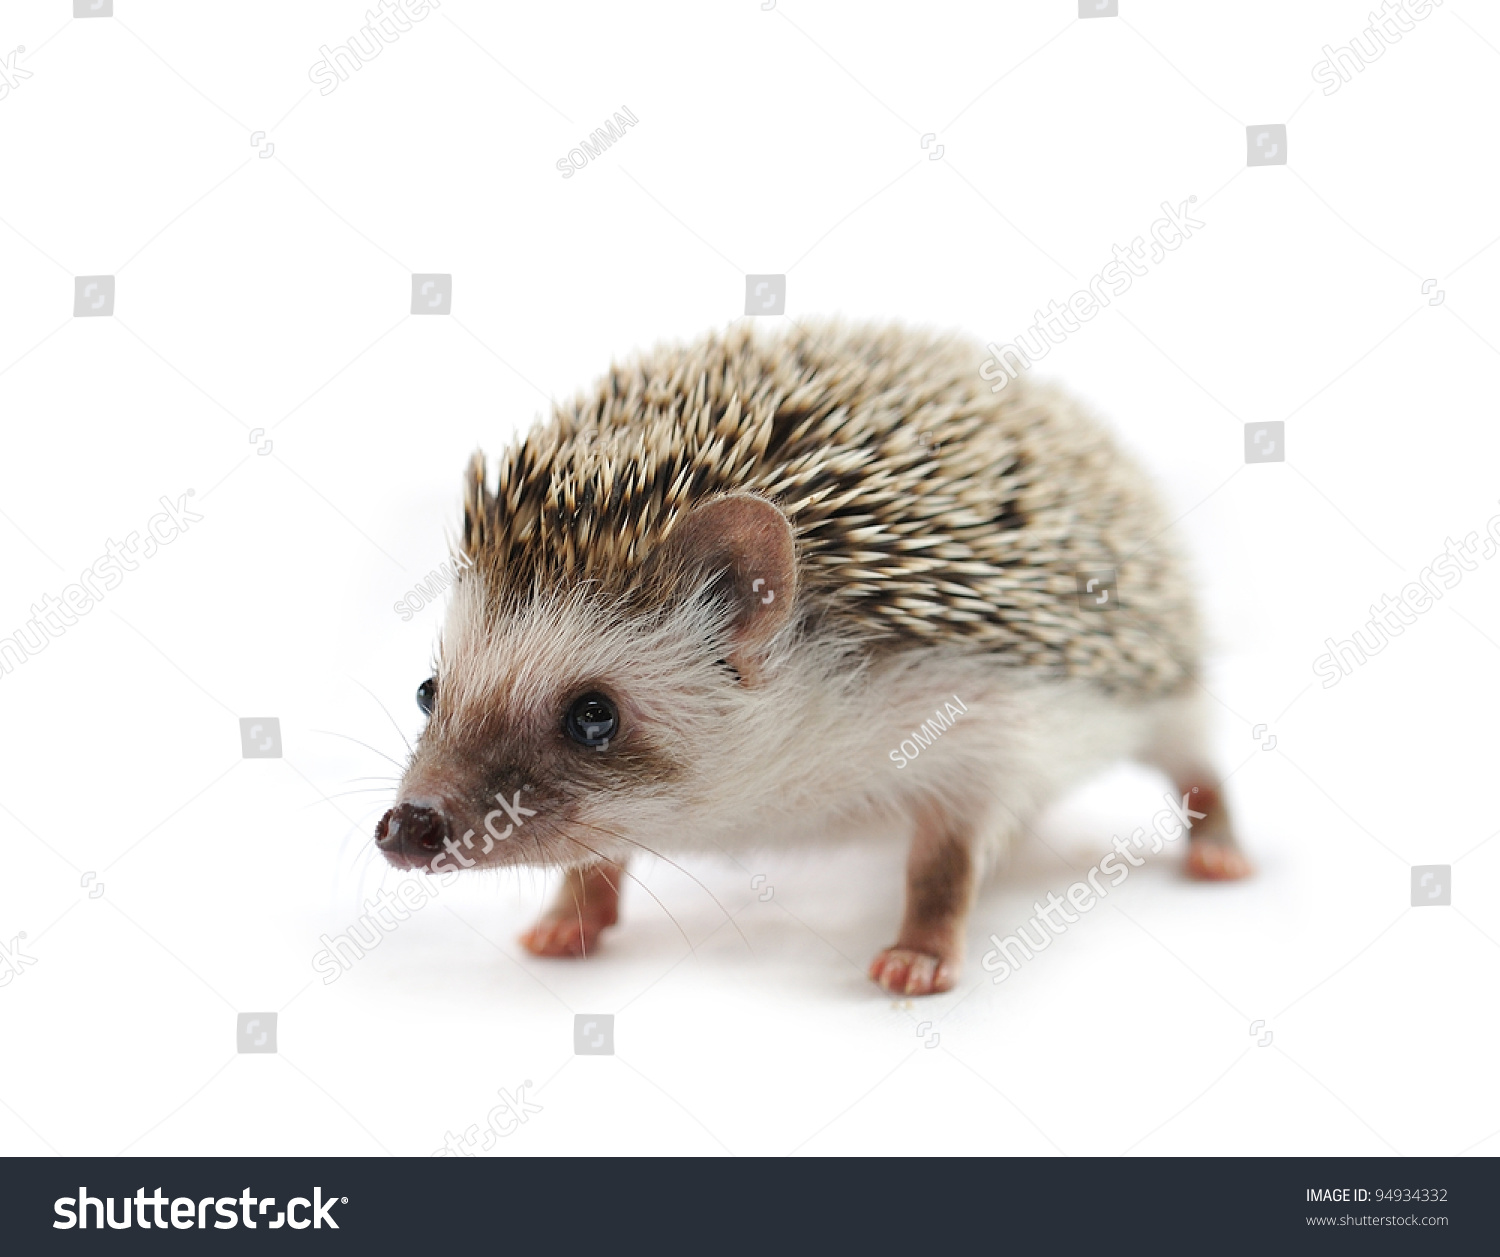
pixel 410 835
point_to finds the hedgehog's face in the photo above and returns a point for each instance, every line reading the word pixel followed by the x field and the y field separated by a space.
pixel 576 729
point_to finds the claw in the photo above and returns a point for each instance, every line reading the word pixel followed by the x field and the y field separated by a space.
pixel 903 971
pixel 1215 861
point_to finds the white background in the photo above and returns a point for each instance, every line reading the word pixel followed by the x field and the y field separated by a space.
pixel 273 293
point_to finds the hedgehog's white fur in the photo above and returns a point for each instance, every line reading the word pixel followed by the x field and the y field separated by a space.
pixel 803 757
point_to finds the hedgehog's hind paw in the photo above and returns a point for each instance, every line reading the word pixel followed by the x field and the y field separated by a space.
pixel 1213 855
pixel 1217 859
pixel 905 971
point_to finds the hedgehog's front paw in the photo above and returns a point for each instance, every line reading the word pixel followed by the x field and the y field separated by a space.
pixel 586 903
pixel 566 935
pixel 906 971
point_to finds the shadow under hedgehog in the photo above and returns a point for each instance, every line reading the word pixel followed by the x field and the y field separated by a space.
pixel 702 605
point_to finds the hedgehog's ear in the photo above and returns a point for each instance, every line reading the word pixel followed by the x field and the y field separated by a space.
pixel 746 547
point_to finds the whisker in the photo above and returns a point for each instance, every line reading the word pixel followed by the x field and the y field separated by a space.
pixel 344 794
pixel 330 733
pixel 380 866
pixel 356 861
pixel 357 866
pixel 582 939
pixel 727 915
pixel 387 711
pixel 540 855
pixel 540 913
pixel 609 883
pixel 598 856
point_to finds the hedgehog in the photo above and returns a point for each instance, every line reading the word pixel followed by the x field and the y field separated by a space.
pixel 795 589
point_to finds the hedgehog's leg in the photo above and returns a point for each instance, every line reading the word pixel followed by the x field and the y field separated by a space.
pixel 941 875
pixel 587 903
pixel 1213 852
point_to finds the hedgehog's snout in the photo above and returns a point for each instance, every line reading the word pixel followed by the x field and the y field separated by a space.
pixel 411 835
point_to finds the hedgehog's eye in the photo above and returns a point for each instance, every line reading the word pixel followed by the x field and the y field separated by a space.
pixel 591 720
pixel 427 695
